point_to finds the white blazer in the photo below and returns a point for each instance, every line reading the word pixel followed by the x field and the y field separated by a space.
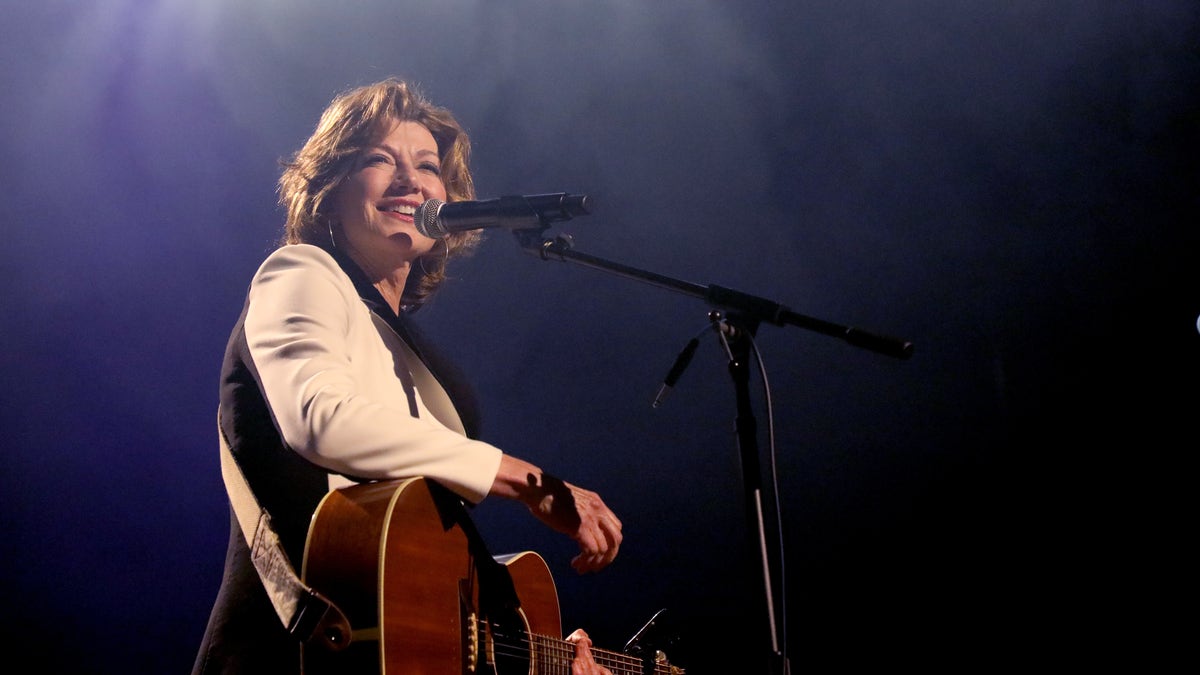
pixel 346 392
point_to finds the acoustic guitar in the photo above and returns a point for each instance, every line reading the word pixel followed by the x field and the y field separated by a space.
pixel 403 561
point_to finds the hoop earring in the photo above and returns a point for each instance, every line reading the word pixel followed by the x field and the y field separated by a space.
pixel 445 259
pixel 329 223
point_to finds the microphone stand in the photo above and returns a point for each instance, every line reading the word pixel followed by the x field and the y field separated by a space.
pixel 743 314
pixel 752 307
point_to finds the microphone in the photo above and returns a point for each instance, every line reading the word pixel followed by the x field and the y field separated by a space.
pixel 681 363
pixel 436 219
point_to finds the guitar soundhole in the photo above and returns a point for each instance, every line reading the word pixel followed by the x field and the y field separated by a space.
pixel 509 646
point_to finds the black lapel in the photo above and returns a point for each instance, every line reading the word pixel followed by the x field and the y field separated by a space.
pixel 456 386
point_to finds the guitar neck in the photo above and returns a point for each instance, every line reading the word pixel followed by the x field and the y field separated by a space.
pixel 551 652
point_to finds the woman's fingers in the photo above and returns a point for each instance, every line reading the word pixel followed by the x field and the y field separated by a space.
pixel 584 663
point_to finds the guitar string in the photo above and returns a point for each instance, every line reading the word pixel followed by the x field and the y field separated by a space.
pixel 545 645
pixel 565 652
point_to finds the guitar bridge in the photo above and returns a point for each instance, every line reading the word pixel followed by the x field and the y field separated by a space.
pixel 470 630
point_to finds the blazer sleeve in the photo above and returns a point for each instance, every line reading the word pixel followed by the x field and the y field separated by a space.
pixel 306 336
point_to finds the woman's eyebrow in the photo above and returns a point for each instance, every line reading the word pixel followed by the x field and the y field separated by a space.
pixel 395 152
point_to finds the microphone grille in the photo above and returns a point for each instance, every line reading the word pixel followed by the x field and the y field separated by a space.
pixel 426 219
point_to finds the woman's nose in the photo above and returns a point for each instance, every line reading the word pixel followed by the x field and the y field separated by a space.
pixel 405 178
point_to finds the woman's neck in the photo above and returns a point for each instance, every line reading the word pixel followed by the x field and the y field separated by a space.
pixel 388 277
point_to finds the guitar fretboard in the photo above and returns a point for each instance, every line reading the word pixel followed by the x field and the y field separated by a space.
pixel 554 655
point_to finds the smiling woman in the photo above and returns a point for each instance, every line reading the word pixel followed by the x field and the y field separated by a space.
pixel 326 383
pixel 372 214
pixel 371 128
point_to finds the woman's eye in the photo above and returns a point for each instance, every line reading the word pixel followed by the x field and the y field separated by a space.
pixel 378 159
pixel 431 167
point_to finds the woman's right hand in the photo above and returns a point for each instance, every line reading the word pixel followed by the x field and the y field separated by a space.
pixel 578 513
pixel 582 515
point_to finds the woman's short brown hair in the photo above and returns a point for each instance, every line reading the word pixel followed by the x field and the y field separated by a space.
pixel 353 121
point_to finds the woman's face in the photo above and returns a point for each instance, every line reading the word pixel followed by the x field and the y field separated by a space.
pixel 374 205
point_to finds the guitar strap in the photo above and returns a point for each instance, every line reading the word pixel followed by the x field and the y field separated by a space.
pixel 309 616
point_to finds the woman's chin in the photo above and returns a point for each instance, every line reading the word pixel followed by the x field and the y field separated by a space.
pixel 412 243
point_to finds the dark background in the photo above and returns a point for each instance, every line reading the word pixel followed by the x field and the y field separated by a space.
pixel 1011 186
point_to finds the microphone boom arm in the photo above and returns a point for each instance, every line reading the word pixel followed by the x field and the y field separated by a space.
pixel 719 297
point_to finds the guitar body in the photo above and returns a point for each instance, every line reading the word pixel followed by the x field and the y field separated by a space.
pixel 403 561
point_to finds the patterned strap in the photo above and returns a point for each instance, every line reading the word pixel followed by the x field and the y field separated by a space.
pixel 307 615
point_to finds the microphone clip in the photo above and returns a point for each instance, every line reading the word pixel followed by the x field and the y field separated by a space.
pixel 532 240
